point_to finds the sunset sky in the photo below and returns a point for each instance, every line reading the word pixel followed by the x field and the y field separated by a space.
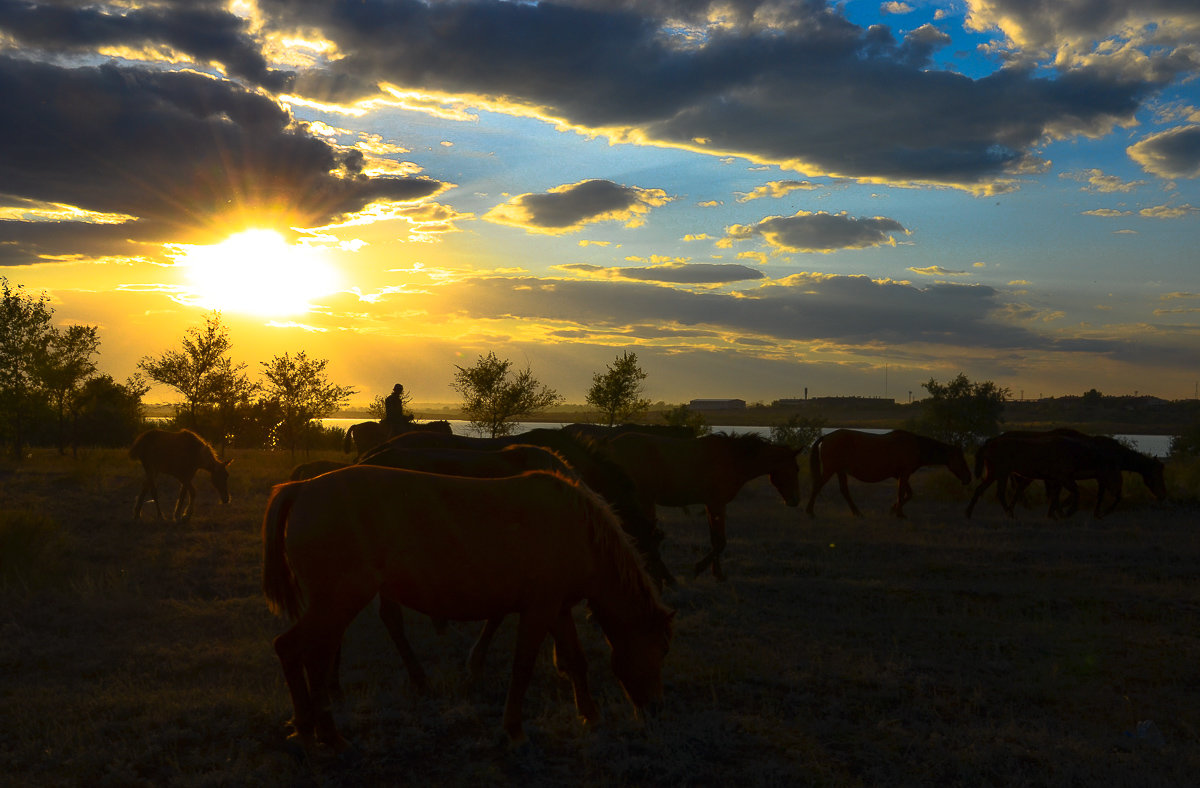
pixel 758 198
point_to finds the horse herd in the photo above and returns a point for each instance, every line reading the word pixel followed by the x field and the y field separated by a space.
pixel 474 529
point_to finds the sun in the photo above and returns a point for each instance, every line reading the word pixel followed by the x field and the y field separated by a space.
pixel 257 272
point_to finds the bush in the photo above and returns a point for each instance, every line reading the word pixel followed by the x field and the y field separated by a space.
pixel 1187 442
pixel 798 431
pixel 683 416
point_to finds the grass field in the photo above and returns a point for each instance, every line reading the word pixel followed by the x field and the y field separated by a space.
pixel 841 651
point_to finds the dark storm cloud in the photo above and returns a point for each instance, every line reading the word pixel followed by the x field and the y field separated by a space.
pixel 817 232
pixel 1174 153
pixel 812 88
pixel 206 32
pixel 568 208
pixel 675 273
pixel 179 151
pixel 848 309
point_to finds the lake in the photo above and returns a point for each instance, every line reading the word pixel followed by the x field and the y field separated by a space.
pixel 1154 445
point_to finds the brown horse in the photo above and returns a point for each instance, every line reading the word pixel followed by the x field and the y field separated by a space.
pixel 463 549
pixel 1149 468
pixel 179 454
pixel 709 470
pixel 512 460
pixel 587 459
pixel 869 457
pixel 1057 459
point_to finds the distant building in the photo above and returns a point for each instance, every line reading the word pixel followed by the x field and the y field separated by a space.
pixel 717 404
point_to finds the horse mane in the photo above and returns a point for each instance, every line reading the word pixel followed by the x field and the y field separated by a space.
pixel 141 441
pixel 615 549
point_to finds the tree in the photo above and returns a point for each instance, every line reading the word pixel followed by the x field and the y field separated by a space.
pixel 108 413
pixel 299 388
pixel 196 370
pixel 493 397
pixel 232 393
pixel 798 431
pixel 65 367
pixel 618 392
pixel 683 416
pixel 961 412
pixel 25 333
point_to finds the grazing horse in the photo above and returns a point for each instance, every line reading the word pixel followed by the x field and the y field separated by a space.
pixel 511 460
pixel 1055 458
pixel 869 457
pixel 709 470
pixel 463 549
pixel 1151 469
pixel 179 454
pixel 588 460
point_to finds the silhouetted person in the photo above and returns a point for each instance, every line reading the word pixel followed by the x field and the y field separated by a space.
pixel 394 417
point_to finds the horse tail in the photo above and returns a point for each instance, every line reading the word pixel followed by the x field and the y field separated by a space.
pixel 814 458
pixel 279 584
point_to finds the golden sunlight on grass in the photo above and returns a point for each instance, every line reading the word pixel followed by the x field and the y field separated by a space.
pixel 256 272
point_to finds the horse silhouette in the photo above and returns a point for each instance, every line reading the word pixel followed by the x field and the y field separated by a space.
pixel 461 549
pixel 710 470
pixel 179 454
pixel 1058 459
pixel 870 457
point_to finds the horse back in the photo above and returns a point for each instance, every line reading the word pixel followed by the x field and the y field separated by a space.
pixel 457 547
pixel 179 454
pixel 867 456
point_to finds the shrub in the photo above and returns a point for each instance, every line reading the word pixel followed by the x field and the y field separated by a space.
pixel 798 431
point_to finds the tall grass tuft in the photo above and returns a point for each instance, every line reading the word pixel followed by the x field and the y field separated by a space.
pixel 31 548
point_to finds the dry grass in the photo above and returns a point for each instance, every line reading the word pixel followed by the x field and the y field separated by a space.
pixel 840 652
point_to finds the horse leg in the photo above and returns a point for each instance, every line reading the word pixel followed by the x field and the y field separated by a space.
pixel 983 485
pixel 307 652
pixel 1053 490
pixel 479 649
pixel 531 631
pixel 187 497
pixel 569 659
pixel 1072 496
pixel 392 615
pixel 147 488
pixel 817 485
pixel 904 494
pixel 1118 484
pixel 716 533
pixel 844 486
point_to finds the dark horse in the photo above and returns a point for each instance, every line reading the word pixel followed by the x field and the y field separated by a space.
pixel 709 470
pixel 1149 468
pixel 1058 459
pixel 585 457
pixel 366 435
pixel 872 458
pixel 179 454
pixel 462 549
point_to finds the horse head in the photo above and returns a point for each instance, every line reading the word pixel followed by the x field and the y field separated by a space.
pixel 1152 475
pixel 956 461
pixel 637 658
pixel 220 479
pixel 785 475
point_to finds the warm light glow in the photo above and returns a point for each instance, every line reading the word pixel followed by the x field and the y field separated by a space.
pixel 257 272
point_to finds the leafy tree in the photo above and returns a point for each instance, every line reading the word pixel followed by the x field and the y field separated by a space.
pixel 199 368
pixel 232 393
pixel 1187 442
pixel 618 392
pixel 25 334
pixel 683 416
pixel 494 398
pixel 798 431
pixel 66 365
pixel 962 412
pixel 107 413
pixel 299 388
